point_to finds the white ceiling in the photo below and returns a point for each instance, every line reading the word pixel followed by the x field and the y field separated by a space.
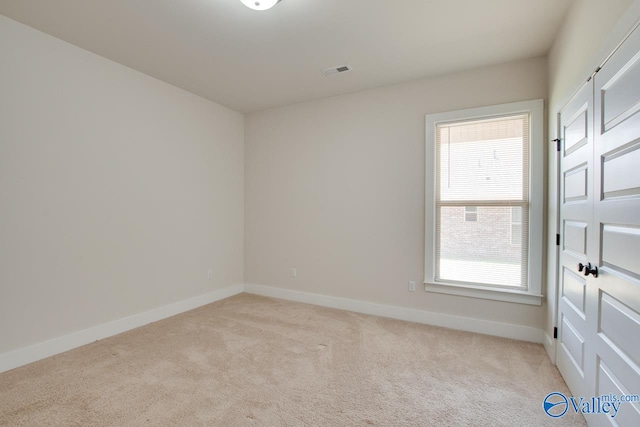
pixel 249 60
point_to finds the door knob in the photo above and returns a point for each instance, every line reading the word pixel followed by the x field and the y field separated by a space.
pixel 588 269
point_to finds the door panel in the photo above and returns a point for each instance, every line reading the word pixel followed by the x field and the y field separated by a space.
pixel 616 179
pixel 573 344
pixel 614 297
pixel 619 322
pixel 575 237
pixel 576 184
pixel 573 290
pixel 620 93
pixel 575 130
pixel 620 249
pixel 576 218
pixel 608 383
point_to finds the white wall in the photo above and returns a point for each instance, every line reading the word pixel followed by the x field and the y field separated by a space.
pixel 117 191
pixel 335 188
pixel 591 31
pixel 583 35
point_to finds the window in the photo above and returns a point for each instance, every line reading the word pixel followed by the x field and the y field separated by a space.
pixel 471 214
pixel 484 195
pixel 516 225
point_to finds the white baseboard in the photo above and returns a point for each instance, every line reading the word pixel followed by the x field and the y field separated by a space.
pixel 26 355
pixel 550 346
pixel 506 330
pixel 23 356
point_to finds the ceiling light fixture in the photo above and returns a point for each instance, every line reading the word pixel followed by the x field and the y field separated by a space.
pixel 260 4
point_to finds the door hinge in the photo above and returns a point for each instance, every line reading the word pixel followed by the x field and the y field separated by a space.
pixel 593 74
pixel 557 240
pixel 555 333
pixel 558 144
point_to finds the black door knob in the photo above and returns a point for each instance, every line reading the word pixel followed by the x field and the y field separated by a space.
pixel 588 269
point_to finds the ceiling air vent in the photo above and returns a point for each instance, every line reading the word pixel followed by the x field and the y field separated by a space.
pixel 332 71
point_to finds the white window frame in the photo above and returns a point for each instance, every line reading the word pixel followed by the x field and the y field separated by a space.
pixel 533 294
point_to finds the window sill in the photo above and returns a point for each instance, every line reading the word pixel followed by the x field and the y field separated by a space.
pixel 496 294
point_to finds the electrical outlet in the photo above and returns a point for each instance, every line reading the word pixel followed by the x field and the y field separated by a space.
pixel 294 273
pixel 210 274
pixel 412 286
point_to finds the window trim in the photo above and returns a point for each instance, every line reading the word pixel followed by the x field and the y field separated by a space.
pixel 533 294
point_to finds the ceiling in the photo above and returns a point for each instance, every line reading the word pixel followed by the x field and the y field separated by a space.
pixel 249 60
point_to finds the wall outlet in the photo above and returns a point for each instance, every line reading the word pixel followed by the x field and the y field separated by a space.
pixel 412 286
pixel 210 274
pixel 293 273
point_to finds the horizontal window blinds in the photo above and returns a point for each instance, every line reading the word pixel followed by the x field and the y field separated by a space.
pixel 482 166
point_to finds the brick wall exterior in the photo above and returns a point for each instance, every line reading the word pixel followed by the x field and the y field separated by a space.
pixel 487 239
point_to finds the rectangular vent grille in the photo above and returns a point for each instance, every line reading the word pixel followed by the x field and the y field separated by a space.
pixel 332 71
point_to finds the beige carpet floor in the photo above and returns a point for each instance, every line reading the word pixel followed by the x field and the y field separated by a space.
pixel 255 361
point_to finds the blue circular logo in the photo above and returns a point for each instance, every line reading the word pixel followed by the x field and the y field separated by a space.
pixel 555 404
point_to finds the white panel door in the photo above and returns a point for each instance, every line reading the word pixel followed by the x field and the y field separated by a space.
pixel 614 297
pixel 576 224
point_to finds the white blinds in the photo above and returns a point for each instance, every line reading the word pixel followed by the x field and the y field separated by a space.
pixel 482 205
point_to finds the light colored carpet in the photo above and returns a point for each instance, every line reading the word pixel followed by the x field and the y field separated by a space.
pixel 250 360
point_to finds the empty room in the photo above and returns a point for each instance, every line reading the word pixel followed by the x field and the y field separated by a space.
pixel 320 212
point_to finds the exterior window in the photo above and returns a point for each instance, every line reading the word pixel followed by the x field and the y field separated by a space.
pixel 516 225
pixel 481 207
pixel 471 214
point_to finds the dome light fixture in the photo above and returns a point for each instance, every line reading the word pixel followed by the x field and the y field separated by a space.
pixel 260 4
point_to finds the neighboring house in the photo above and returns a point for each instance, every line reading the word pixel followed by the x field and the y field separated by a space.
pixel 483 162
